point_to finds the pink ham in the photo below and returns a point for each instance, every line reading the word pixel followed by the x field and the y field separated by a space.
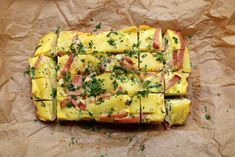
pixel 106 117
pixel 104 96
pixel 127 63
pixel 127 120
pixel 64 102
pixel 76 92
pixel 77 80
pixel 82 106
pixel 156 37
pixel 37 62
pixel 172 81
pixel 177 60
pixel 67 65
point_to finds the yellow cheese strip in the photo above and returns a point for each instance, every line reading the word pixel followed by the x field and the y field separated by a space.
pixel 177 111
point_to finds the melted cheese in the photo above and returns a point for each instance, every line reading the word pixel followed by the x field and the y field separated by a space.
pixel 47 45
pixel 45 68
pixel 177 110
pixel 45 110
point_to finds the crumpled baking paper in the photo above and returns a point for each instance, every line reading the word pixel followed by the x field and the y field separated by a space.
pixel 209 26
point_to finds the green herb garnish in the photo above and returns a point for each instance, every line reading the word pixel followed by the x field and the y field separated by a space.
pixel 97 27
pixel 208 117
pixel 54 92
pixel 111 42
pixel 175 40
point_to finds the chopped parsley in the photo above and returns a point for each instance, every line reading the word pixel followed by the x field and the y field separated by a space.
pixel 74 97
pixel 69 105
pixel 142 147
pixel 81 49
pixel 30 71
pixel 110 112
pixel 111 42
pixel 159 57
pixel 93 87
pixel 97 27
pixel 71 87
pixel 115 84
pixel 143 93
pixel 91 44
pixel 175 40
pixel 208 117
pixel 111 32
pixel 57 31
pixel 54 92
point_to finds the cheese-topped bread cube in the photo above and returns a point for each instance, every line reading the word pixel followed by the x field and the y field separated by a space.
pixel 77 64
pixel 74 108
pixel 43 89
pixel 151 61
pixel 45 110
pixel 65 41
pixel 150 39
pixel 42 67
pixel 177 110
pixel 176 83
pixel 110 107
pixel 173 40
pixel 114 41
pixel 152 108
pixel 178 60
pixel 152 82
pixel 47 45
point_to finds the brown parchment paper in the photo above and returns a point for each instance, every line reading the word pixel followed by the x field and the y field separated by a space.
pixel 210 30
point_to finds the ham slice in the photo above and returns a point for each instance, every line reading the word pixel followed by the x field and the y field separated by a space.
pixel 156 38
pixel 64 102
pixel 172 81
pixel 76 92
pixel 67 65
pixel 104 96
pixel 127 63
pixel 106 117
pixel 128 120
pixel 81 105
pixel 77 80
pixel 177 59
pixel 37 62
